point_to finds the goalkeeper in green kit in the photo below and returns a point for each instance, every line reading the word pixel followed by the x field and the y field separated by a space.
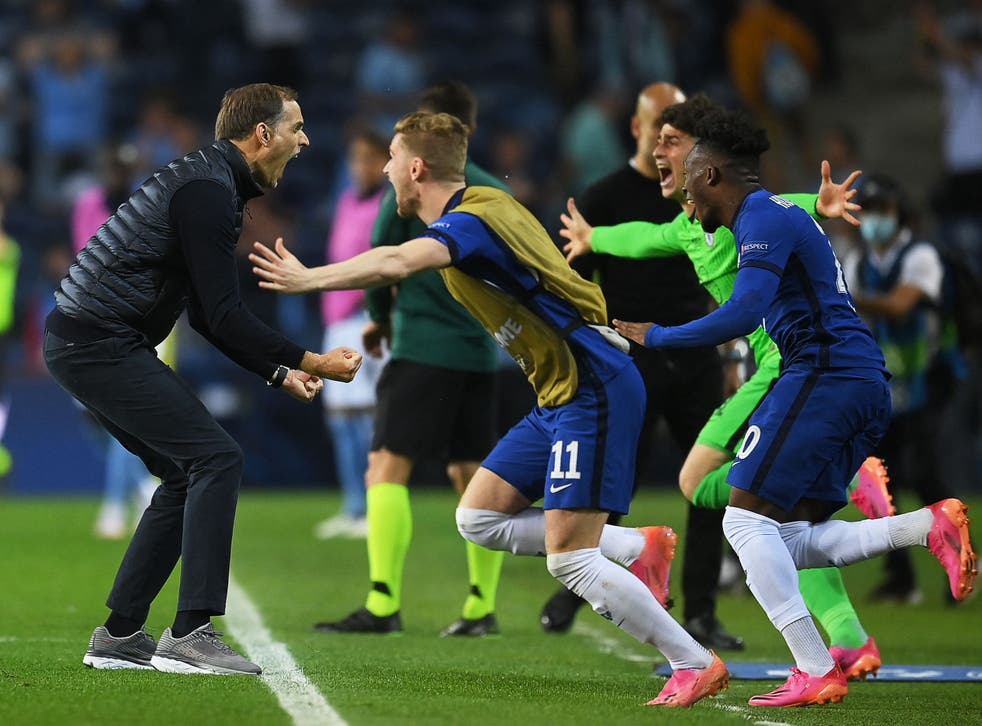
pixel 714 257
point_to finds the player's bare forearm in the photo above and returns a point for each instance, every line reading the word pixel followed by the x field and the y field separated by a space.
pixel 388 265
pixel 281 271
pixel 373 268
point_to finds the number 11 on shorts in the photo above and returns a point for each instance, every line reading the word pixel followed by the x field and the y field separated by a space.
pixel 573 449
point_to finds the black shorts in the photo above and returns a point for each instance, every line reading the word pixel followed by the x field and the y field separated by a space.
pixel 426 411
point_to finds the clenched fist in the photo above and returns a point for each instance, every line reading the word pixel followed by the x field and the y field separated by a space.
pixel 340 364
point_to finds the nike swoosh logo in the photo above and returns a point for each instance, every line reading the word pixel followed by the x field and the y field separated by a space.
pixel 553 489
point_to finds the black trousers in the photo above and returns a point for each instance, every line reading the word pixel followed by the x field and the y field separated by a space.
pixel 158 417
pixel 684 388
pixel 910 451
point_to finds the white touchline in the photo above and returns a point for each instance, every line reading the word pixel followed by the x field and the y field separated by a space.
pixel 296 694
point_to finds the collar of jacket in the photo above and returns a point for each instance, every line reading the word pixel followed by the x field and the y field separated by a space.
pixel 245 182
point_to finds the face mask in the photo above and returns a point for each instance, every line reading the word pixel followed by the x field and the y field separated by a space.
pixel 877 229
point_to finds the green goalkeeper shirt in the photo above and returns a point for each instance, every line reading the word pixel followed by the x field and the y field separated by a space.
pixel 713 255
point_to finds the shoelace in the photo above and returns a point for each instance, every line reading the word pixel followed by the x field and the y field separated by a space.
pixel 219 644
pixel 786 687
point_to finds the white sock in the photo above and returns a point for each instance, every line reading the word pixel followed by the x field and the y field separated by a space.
pixel 525 534
pixel 623 599
pixel 910 529
pixel 521 534
pixel 621 544
pixel 807 647
pixel 835 543
pixel 773 579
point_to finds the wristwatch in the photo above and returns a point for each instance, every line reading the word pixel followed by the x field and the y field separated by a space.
pixel 278 377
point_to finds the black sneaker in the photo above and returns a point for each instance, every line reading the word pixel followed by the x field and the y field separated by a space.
pixel 560 611
pixel 363 621
pixel 710 633
pixel 476 628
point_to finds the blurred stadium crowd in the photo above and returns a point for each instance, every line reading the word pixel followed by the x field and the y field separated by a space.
pixel 98 94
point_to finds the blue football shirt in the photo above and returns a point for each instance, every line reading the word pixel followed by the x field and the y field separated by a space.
pixel 811 317
pixel 789 281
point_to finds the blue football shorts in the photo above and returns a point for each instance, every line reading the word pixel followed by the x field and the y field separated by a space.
pixel 810 434
pixel 580 454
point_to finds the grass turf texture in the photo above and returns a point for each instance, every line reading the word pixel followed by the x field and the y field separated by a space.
pixel 55 576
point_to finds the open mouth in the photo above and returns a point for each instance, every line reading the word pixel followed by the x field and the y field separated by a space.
pixel 288 160
pixel 665 176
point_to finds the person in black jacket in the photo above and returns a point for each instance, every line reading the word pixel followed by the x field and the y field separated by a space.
pixel 684 386
pixel 170 246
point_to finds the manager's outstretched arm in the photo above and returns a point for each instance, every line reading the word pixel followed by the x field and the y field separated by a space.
pixel 281 271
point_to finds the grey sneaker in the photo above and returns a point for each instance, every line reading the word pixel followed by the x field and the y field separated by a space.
pixel 200 651
pixel 111 653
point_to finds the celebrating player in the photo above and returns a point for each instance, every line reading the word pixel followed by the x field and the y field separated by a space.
pixel 576 449
pixel 703 475
pixel 827 410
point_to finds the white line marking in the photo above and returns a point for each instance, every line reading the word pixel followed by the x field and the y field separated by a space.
pixel 612 646
pixel 730 707
pixel 747 713
pixel 296 694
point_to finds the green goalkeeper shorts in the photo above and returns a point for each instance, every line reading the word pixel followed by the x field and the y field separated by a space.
pixel 725 429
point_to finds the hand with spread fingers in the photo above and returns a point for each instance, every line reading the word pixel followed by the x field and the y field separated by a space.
pixel 340 364
pixel 280 270
pixel 632 331
pixel 835 200
pixel 577 231
pixel 302 386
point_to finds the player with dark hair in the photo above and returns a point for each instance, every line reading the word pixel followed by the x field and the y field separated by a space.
pixel 576 448
pixel 702 478
pixel 826 412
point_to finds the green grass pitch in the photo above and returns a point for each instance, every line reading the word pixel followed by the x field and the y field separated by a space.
pixel 54 578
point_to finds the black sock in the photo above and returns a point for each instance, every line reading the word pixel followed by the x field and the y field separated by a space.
pixel 188 621
pixel 120 627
